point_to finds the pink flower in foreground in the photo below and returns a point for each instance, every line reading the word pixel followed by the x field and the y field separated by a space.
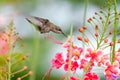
pixel 93 55
pixel 4 46
pixel 86 65
pixel 58 61
pixel 117 57
pixel 91 76
pixel 83 63
pixel 77 52
pixel 104 59
pixel 112 70
pixel 73 78
pixel 68 42
pixel 74 66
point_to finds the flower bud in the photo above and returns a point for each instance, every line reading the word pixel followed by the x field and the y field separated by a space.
pixel 96 27
pixel 100 18
pixel 105 40
pixel 25 67
pixel 30 73
pixel 19 78
pixel 118 40
pixel 111 43
pixel 89 20
pixel 8 59
pixel 81 30
pixel 86 40
pixel 79 38
pixel 96 34
pixel 84 27
pixel 119 50
pixel 110 32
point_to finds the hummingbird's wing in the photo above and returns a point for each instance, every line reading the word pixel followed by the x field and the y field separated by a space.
pixel 34 21
pixel 39 23
pixel 43 21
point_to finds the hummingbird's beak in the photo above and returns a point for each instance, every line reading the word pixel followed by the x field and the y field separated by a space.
pixel 64 34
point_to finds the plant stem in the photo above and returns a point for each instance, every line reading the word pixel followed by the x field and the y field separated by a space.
pixel 9 69
pixel 85 12
pixel 35 55
pixel 84 23
pixel 84 19
pixel 104 28
pixel 115 32
pixel 10 49
pixel 70 54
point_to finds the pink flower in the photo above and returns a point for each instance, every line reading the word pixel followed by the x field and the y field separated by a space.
pixel 112 70
pixel 117 56
pixel 68 42
pixel 73 78
pixel 77 52
pixel 85 65
pixel 104 59
pixel 74 66
pixel 4 46
pixel 93 55
pixel 58 61
pixel 91 76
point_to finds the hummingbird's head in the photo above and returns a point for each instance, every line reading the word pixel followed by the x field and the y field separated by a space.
pixel 58 30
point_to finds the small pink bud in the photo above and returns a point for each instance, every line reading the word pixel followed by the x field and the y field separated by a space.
pixel 84 27
pixel 89 20
pixel 111 43
pixel 30 73
pixel 119 50
pixel 86 40
pixel 19 78
pixel 25 67
pixel 80 29
pixel 79 38
pixel 96 34
pixel 8 59
pixel 100 17
pixel 96 27
pixel 109 22
pixel 111 31
pixel 118 40
pixel 105 40
pixel 24 57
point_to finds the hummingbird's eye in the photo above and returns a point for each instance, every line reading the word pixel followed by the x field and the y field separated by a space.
pixel 59 29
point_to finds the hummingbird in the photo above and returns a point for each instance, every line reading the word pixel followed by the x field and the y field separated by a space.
pixel 44 25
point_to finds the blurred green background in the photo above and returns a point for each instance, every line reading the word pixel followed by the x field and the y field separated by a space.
pixel 61 12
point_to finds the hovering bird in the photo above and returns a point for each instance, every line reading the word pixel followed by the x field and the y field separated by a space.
pixel 44 25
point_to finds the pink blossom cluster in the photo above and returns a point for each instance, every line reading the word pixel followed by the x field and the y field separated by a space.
pixel 85 60
pixel 4 45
